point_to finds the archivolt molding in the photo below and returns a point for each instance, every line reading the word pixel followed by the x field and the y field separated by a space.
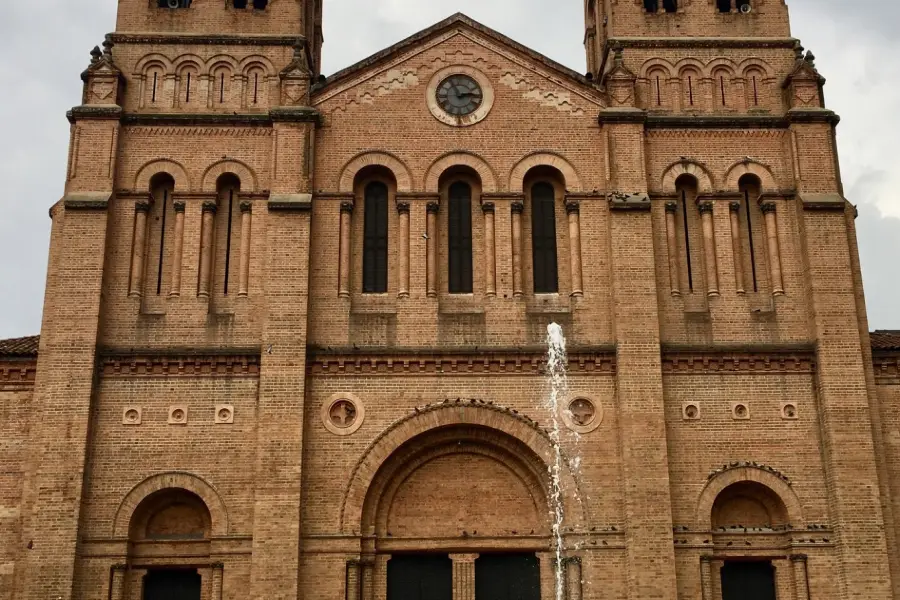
pixel 173 480
pixel 544 159
pixel 457 159
pixel 153 59
pixel 687 167
pixel 367 159
pixel 155 167
pixel 433 418
pixel 750 167
pixel 236 167
pixel 655 64
pixel 743 472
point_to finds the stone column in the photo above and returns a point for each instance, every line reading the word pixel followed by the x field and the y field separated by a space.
pixel 367 580
pixel 517 208
pixel 218 574
pixel 431 259
pixel 672 245
pixel 246 225
pixel 734 210
pixel 490 250
pixel 768 210
pixel 207 248
pixel 709 248
pixel 573 210
pixel 403 210
pixel 344 258
pixel 139 249
pixel 117 582
pixel 177 249
pixel 801 577
pixel 706 577
pixel 574 589
pixel 463 576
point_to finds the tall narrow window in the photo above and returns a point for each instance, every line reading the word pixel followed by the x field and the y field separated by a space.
pixel 375 242
pixel 161 188
pixel 543 238
pixel 187 88
pixel 690 90
pixel 227 234
pixel 723 96
pixel 670 6
pixel 155 84
pixel 460 238
pixel 658 91
pixel 754 87
pixel 651 6
pixel 686 188
pixel 750 189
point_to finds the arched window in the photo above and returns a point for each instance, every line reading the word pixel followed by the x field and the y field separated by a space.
pixel 228 233
pixel 659 97
pixel 221 83
pixel 161 219
pixel 755 88
pixel 375 238
pixel 690 82
pixel 686 189
pixel 459 236
pixel 752 241
pixel 188 85
pixel 154 80
pixel 722 89
pixel 256 95
pixel 543 238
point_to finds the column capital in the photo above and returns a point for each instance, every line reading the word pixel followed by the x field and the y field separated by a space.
pixel 464 558
pixel 142 207
pixel 517 207
pixel 768 207
pixel 705 207
pixel 433 207
pixel 734 207
pixel 487 207
pixel 347 206
pixel 403 207
pixel 671 207
pixel 246 206
pixel 799 558
pixel 210 207
pixel 573 208
pixel 706 559
pixel 179 206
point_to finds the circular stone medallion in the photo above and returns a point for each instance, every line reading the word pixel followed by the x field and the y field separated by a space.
pixel 581 415
pixel 343 414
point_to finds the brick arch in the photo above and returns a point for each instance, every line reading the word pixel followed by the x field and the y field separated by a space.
pixel 175 169
pixel 439 416
pixel 749 167
pixel 773 482
pixel 236 167
pixel 544 159
pixel 687 167
pixel 721 64
pixel 368 159
pixel 457 159
pixel 690 63
pixel 172 480
pixel 153 58
pixel 221 60
pixel 657 63
pixel 755 63
pixel 185 60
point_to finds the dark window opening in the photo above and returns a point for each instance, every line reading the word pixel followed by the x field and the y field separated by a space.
pixel 751 192
pixel 690 90
pixel 422 577
pixel 748 581
pixel 658 91
pixel 255 88
pixel 172 585
pixel 173 3
pixel 187 87
pixel 687 238
pixel 507 577
pixel 221 88
pixel 651 6
pixel 155 83
pixel 670 6
pixel 228 239
pixel 543 238
pixel 375 239
pixel 460 238
pixel 162 241
pixel 722 87
pixel 755 92
pixel 724 6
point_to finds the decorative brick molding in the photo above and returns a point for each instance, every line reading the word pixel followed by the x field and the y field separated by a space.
pixel 175 169
pixel 18 373
pixel 507 423
pixel 431 363
pixel 176 480
pixel 887 368
pixel 544 159
pixel 743 471
pixel 687 167
pixel 246 174
pixel 384 159
pixel 461 158
pixel 750 167
pixel 174 365
pixel 738 363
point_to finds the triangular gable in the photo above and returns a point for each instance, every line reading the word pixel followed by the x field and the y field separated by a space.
pixel 474 31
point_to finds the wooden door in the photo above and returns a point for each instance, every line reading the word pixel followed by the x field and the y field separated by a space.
pixel 420 577
pixel 507 577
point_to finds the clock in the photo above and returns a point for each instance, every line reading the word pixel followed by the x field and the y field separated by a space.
pixel 459 95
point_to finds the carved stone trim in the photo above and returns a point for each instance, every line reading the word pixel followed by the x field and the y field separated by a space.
pixel 179 206
pixel 734 207
pixel 705 207
pixel 210 207
pixel 179 366
pixel 246 207
pixel 403 207
pixel 767 207
pixel 671 207
pixel 517 207
pixel 142 207
pixel 343 414
pixel 573 208
pixel 433 207
pixel 346 207
pixel 488 207
pixel 738 363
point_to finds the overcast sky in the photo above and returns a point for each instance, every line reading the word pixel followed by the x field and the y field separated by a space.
pixel 44 46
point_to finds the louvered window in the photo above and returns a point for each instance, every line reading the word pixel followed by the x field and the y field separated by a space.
pixel 460 238
pixel 375 244
pixel 543 238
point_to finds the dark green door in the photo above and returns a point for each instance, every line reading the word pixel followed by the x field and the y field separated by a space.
pixel 420 577
pixel 172 585
pixel 748 581
pixel 507 577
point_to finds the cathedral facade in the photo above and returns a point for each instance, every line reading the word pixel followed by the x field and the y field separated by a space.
pixel 294 332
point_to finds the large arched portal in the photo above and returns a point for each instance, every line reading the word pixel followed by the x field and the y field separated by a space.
pixel 461 503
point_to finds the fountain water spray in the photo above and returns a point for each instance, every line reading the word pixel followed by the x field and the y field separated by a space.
pixel 556 372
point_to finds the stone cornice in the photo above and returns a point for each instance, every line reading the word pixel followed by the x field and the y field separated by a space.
pixel 513 361
pixel 655 121
pixel 179 362
pixel 17 372
pixel 105 112
pixel 155 39
pixel 700 42
pixel 750 359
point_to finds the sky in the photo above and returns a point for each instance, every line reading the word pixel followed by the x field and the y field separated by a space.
pixel 45 45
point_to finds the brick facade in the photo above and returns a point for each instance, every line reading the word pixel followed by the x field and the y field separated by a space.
pixel 213 391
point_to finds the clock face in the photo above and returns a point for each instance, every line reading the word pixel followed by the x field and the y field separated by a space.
pixel 459 95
